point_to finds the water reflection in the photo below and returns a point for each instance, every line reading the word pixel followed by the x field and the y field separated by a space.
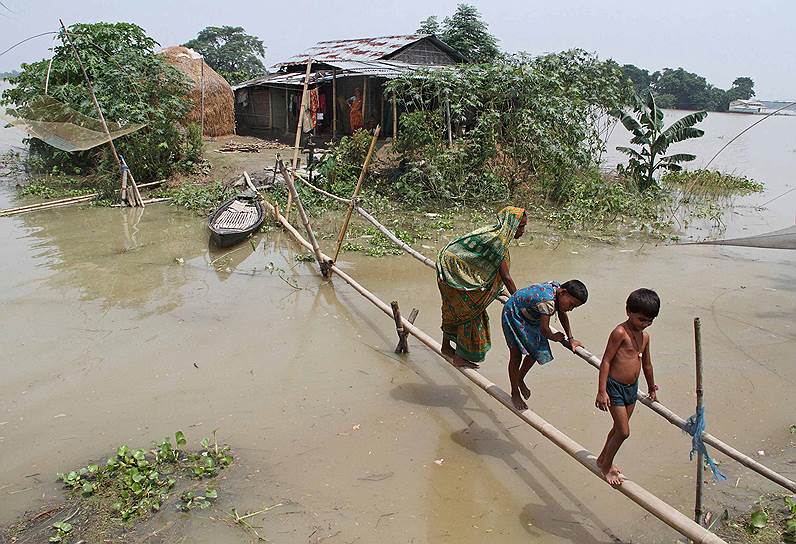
pixel 123 258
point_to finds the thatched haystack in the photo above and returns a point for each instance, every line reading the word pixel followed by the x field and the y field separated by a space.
pixel 219 98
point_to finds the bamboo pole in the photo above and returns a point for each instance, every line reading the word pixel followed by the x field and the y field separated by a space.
pixel 448 121
pixel 700 456
pixel 334 104
pixel 595 361
pixel 91 92
pixel 202 99
pixel 294 162
pixel 663 511
pixel 324 266
pixel 47 205
pixel 351 206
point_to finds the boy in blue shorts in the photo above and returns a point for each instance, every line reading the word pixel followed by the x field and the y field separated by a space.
pixel 526 326
pixel 627 353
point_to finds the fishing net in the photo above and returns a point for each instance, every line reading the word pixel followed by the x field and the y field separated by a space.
pixel 60 126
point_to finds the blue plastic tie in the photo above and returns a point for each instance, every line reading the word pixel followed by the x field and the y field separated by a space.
pixel 695 426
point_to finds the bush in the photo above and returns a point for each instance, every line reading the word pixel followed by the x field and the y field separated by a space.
pixel 132 84
pixel 343 165
pixel 518 121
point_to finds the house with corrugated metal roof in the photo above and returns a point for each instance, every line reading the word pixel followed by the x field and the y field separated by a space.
pixel 346 85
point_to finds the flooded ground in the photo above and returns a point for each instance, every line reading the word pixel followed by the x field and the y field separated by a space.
pixel 108 338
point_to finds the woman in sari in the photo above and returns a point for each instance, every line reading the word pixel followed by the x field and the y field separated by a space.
pixel 471 271
pixel 355 115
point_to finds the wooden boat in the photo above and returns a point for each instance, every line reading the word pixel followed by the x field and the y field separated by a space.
pixel 236 219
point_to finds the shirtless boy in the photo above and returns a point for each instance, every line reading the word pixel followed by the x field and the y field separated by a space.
pixel 627 352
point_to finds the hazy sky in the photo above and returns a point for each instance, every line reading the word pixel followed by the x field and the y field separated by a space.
pixel 719 39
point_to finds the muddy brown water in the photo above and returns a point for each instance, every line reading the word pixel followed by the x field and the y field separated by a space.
pixel 106 338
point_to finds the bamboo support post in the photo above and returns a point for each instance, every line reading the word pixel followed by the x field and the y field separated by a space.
pixel 136 194
pixel 334 104
pixel 700 457
pixel 403 346
pixel 294 162
pixel 249 183
pixel 324 266
pixel 124 185
pixel 663 511
pixel 364 102
pixel 352 205
pixel 595 361
pixel 287 112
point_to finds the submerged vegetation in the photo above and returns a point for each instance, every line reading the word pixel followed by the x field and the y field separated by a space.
pixel 771 520
pixel 130 486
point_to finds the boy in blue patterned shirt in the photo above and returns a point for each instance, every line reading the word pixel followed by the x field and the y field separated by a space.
pixel 526 326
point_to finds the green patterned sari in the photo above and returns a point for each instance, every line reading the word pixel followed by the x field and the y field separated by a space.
pixel 469 280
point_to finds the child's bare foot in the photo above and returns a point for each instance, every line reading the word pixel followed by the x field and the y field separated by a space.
pixel 460 361
pixel 516 399
pixel 526 393
pixel 612 474
pixel 448 350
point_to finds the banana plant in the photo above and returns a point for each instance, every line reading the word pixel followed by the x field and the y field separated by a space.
pixel 646 125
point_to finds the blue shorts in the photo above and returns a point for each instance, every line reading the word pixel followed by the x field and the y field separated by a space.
pixel 621 394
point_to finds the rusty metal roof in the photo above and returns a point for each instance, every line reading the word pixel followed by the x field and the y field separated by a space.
pixel 361 49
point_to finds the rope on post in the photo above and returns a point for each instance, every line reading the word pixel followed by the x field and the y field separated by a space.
pixel 695 426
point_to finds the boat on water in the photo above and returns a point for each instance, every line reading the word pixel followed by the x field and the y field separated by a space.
pixel 236 219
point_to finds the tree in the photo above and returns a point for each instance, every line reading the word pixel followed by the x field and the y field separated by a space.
pixel 743 88
pixel 465 32
pixel 648 131
pixel 230 52
pixel 690 91
pixel 429 25
pixel 132 85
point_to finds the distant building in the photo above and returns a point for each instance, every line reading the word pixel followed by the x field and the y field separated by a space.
pixel 340 69
pixel 746 106
pixel 762 107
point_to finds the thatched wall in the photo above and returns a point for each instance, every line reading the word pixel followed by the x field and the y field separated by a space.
pixel 219 98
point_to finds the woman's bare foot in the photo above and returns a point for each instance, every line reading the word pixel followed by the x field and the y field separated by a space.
pixel 526 393
pixel 516 399
pixel 612 474
pixel 447 349
pixel 460 361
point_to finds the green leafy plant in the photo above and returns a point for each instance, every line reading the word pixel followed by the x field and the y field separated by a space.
pixel 139 481
pixel 647 129
pixel 190 500
pixel 758 519
pixel 62 530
